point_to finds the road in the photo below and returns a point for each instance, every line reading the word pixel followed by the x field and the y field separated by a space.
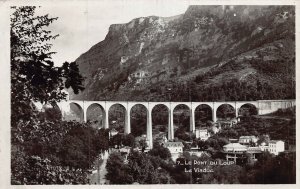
pixel 98 176
pixel 103 170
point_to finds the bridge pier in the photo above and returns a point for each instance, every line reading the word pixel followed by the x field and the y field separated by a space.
pixel 171 126
pixel 84 117
pixel 214 116
pixel 106 123
pixel 127 129
pixel 192 120
pixel 236 112
pixel 149 131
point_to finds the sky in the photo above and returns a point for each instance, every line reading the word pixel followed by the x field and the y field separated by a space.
pixel 82 24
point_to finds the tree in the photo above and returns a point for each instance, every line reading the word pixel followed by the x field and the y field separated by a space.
pixel 35 78
pixel 33 74
pixel 70 72
pixel 116 140
pixel 159 150
pixel 51 147
pixel 102 140
pixel 117 171
pixel 224 175
pixel 129 140
pixel 51 114
pixel 273 170
pixel 180 133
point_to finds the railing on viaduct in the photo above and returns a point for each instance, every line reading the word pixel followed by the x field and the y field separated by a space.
pixel 262 106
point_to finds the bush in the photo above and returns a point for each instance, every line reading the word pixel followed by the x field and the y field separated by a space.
pixel 159 150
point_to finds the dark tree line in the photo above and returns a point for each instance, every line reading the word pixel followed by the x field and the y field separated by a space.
pixel 139 167
pixel 271 170
pixel 231 90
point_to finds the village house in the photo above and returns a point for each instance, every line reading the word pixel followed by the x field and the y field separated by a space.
pixel 139 75
pixel 113 132
pixel 203 134
pixel 273 146
pixel 215 129
pixel 174 147
pixel 125 149
pixel 276 146
pixel 264 147
pixel 247 140
pixel 238 151
pixel 234 151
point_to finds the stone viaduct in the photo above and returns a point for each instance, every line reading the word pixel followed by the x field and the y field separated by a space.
pixel 263 107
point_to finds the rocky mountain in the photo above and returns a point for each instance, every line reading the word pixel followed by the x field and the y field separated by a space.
pixel 207 53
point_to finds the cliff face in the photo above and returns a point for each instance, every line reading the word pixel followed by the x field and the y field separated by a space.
pixel 204 46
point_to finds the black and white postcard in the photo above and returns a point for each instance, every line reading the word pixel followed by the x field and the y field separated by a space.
pixel 149 93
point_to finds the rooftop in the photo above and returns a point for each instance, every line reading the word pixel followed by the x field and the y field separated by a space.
pixel 247 137
pixel 234 145
pixel 174 144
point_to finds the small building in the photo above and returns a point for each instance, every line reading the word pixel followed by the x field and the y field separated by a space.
pixel 203 134
pixel 125 149
pixel 276 146
pixel 199 153
pixel 174 147
pixel 139 75
pixel 234 147
pixel 234 151
pixel 215 129
pixel 264 147
pixel 113 132
pixel 247 140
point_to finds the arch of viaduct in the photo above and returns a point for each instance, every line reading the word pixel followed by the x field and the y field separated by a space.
pixel 263 107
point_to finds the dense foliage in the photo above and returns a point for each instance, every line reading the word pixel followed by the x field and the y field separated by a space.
pixel 160 151
pixel 45 150
pixel 272 170
pixel 122 140
pixel 228 90
pixel 140 168
pixel 137 168
pixel 56 153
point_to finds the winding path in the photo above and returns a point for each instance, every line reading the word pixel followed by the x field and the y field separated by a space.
pixel 102 169
pixel 98 176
